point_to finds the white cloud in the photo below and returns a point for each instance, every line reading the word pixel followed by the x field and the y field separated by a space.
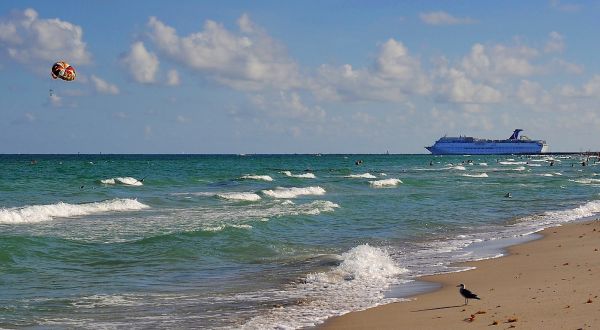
pixel 28 39
pixel 394 75
pixel 455 86
pixel 495 63
pixel 30 117
pixel 55 100
pixel 565 7
pixel 555 43
pixel 104 87
pixel 532 93
pixel 173 78
pixel 288 105
pixel 248 60
pixel 560 65
pixel 141 64
pixel 443 18
pixel 182 119
pixel 589 89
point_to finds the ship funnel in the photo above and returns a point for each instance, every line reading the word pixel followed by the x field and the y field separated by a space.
pixel 515 134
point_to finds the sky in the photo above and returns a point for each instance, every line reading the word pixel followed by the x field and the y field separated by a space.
pixel 206 77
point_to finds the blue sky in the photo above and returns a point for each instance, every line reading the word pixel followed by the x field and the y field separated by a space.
pixel 296 76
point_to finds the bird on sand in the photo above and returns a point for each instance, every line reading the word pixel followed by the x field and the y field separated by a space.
pixel 466 293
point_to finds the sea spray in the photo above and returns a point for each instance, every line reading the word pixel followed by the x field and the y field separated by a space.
pixel 363 275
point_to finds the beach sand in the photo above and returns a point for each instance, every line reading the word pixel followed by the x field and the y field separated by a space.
pixel 550 283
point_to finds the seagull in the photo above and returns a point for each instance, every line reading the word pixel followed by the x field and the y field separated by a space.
pixel 466 293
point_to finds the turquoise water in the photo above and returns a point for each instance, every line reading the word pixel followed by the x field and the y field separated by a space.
pixel 256 241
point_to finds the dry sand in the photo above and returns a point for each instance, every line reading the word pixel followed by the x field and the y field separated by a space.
pixel 551 283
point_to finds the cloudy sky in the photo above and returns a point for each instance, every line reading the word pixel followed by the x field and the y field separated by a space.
pixel 296 76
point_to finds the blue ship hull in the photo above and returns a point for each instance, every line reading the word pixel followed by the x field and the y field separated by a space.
pixel 474 146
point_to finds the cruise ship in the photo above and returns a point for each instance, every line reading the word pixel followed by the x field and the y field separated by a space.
pixel 466 145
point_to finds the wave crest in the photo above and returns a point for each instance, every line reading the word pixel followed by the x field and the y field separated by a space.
pixel 40 213
pixel 304 176
pixel 385 183
pixel 240 196
pixel 361 176
pixel 257 177
pixel 128 181
pixel 293 192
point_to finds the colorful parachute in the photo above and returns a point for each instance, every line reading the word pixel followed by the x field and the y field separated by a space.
pixel 63 71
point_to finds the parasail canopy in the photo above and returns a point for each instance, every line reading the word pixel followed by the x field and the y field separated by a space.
pixel 63 71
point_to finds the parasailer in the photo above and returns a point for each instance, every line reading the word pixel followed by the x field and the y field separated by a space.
pixel 63 71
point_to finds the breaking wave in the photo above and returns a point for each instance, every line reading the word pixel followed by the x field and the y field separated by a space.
pixel 257 177
pixel 359 281
pixel 293 192
pixel 385 183
pixel 305 175
pixel 40 213
pixel 128 181
pixel 240 196
pixel 361 176
pixel 480 175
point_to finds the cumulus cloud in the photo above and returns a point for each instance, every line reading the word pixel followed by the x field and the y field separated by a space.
pixel 394 75
pixel 555 43
pixel 172 78
pixel 589 89
pixel 443 18
pixel 246 60
pixel 532 93
pixel 141 64
pixel 494 63
pixel 28 39
pixel 455 86
pixel 104 87
pixel 288 105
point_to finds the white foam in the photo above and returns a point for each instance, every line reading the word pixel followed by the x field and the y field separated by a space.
pixel 129 181
pixel 458 168
pixel 586 181
pixel 547 174
pixel 40 213
pixel 305 175
pixel 385 183
pixel 480 175
pixel 357 283
pixel 520 168
pixel 534 165
pixel 257 177
pixel 361 176
pixel 483 164
pixel 240 196
pixel 512 163
pixel 293 192
pixel 363 263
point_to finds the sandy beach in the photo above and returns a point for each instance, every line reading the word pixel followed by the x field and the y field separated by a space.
pixel 550 283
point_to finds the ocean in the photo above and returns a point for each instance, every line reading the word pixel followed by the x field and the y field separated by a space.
pixel 258 241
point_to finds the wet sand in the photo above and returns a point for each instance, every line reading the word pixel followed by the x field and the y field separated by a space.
pixel 550 283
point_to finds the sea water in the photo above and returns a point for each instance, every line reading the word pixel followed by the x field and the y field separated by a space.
pixel 257 241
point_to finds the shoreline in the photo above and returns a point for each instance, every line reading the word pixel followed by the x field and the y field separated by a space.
pixel 550 282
